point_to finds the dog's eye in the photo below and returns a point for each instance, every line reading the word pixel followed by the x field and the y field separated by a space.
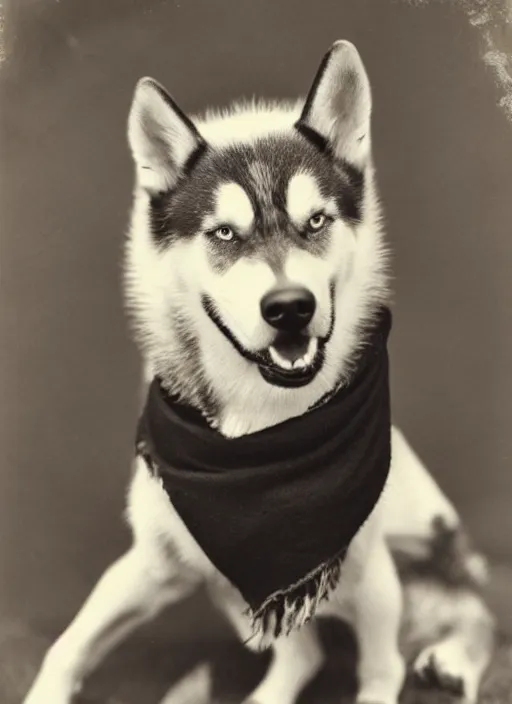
pixel 224 233
pixel 316 222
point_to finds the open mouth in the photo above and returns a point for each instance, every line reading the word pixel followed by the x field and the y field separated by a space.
pixel 291 361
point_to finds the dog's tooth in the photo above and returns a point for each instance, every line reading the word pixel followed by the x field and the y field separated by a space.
pixel 274 355
pixel 301 362
pixel 312 350
pixel 277 359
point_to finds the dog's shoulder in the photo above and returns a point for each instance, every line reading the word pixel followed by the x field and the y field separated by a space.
pixel 159 530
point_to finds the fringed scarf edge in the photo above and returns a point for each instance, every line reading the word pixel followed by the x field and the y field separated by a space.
pixel 291 608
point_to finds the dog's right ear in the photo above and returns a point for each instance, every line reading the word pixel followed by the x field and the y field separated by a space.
pixel 163 140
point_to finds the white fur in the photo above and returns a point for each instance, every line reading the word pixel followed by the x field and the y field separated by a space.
pixel 233 208
pixel 304 199
pixel 412 496
pixel 315 273
pixel 244 123
pixel 165 562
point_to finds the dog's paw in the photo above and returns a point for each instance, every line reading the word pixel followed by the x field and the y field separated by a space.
pixel 432 674
pixel 445 667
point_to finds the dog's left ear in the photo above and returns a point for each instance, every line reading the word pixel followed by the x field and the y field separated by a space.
pixel 338 108
pixel 162 138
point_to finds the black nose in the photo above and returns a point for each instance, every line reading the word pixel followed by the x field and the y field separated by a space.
pixel 289 309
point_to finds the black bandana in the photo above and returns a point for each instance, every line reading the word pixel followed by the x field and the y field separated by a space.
pixel 276 510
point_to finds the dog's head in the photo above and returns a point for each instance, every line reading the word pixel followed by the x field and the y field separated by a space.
pixel 255 249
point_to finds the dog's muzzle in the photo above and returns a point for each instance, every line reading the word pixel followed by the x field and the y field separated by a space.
pixel 295 357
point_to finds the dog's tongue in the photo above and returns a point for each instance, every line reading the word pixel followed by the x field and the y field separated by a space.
pixel 291 347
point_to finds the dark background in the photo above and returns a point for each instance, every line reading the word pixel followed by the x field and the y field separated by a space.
pixel 69 372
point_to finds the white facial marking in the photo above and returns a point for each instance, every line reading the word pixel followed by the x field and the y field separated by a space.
pixel 238 293
pixel 303 198
pixel 232 207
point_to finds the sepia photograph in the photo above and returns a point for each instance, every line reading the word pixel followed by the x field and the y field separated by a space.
pixel 256 352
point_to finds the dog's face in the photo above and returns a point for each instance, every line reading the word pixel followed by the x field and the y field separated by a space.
pixel 245 235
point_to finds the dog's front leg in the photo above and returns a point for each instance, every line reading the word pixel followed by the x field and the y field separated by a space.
pixel 378 612
pixel 296 659
pixel 129 594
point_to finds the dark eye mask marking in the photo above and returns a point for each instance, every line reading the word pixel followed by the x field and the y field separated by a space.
pixel 180 213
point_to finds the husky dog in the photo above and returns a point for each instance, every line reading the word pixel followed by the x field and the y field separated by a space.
pixel 279 200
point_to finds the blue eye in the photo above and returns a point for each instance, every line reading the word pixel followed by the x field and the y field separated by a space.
pixel 224 233
pixel 316 222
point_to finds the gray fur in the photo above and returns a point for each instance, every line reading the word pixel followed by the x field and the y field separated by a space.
pixel 263 170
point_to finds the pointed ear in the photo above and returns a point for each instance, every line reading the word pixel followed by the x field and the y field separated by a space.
pixel 338 107
pixel 162 138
